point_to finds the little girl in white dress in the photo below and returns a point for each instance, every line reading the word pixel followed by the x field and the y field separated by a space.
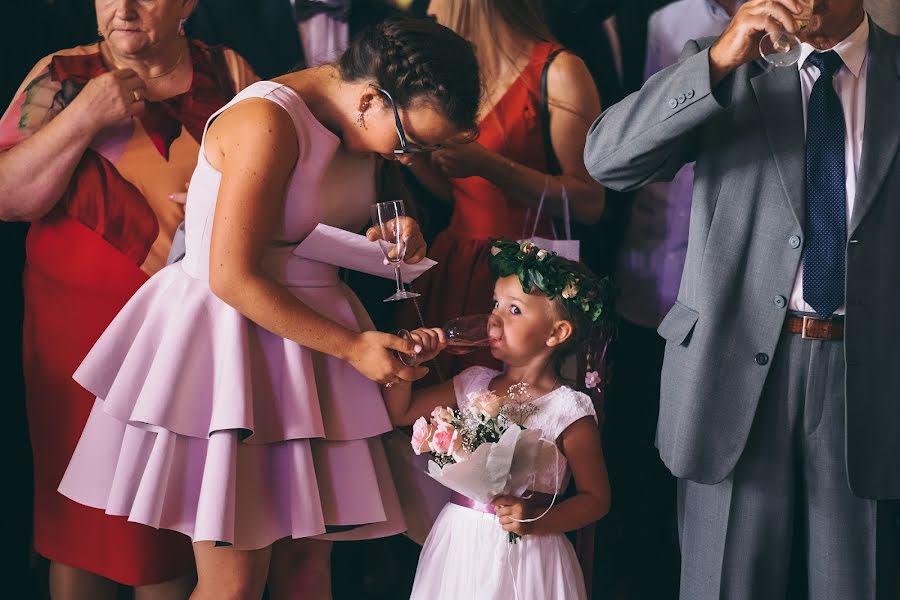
pixel 467 553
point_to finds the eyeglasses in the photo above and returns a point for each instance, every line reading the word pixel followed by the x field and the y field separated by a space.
pixel 406 147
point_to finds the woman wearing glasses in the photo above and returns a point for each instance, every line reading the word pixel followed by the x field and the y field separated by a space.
pixel 493 182
pixel 237 392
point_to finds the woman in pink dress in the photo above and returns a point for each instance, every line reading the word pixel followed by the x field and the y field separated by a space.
pixel 237 392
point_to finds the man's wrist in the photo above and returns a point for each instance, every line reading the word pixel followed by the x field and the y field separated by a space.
pixel 717 69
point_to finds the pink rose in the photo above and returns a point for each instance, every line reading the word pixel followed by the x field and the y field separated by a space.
pixel 446 440
pixel 488 404
pixel 442 416
pixel 421 436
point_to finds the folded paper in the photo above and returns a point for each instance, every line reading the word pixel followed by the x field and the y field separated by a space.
pixel 352 251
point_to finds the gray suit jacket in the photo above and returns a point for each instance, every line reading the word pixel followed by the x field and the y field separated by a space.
pixel 745 245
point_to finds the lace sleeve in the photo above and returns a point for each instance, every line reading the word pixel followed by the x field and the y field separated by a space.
pixel 581 406
pixel 566 407
pixel 473 379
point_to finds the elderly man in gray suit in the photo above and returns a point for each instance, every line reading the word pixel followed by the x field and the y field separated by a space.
pixel 780 400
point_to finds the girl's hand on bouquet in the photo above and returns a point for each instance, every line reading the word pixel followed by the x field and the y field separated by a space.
pixel 432 340
pixel 508 508
pixel 373 354
pixel 415 241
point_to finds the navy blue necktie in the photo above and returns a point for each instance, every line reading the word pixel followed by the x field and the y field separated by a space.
pixel 826 193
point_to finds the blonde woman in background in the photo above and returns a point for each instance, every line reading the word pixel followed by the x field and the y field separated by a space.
pixel 496 182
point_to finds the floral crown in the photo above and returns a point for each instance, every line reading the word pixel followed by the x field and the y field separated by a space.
pixel 581 291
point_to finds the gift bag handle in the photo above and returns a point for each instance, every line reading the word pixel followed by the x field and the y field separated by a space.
pixel 553 166
pixel 567 217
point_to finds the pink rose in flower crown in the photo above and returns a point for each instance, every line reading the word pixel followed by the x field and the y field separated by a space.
pixel 421 435
pixel 488 404
pixel 445 440
pixel 442 416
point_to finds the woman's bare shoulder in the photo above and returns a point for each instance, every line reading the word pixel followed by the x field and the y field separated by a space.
pixel 252 127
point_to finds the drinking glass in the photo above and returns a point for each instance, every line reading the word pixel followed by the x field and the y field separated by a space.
pixel 464 335
pixel 782 49
pixel 388 218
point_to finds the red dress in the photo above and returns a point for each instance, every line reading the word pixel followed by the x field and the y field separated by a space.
pixel 461 282
pixel 111 229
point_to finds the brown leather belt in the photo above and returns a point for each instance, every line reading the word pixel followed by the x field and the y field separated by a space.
pixel 812 328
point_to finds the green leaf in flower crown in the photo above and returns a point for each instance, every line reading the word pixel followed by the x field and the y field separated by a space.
pixel 538 278
pixel 525 280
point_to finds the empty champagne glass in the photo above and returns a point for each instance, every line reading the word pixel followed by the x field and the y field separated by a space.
pixel 388 218
pixel 782 49
pixel 464 335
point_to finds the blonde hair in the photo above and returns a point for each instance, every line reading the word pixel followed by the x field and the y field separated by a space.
pixel 472 18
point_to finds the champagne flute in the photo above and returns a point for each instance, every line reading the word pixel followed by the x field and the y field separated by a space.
pixel 782 49
pixel 388 217
pixel 464 335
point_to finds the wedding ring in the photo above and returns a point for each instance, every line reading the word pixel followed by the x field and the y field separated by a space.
pixel 390 384
pixel 137 97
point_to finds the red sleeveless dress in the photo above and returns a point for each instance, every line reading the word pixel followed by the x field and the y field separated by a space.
pixel 461 282
pixel 109 232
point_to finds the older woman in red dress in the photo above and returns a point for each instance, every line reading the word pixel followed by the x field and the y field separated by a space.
pixel 96 143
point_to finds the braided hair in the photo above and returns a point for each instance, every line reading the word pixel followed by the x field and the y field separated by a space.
pixel 418 60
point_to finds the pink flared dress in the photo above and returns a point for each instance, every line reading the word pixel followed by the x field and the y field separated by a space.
pixel 207 424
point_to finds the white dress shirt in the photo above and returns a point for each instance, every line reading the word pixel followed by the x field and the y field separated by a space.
pixel 850 85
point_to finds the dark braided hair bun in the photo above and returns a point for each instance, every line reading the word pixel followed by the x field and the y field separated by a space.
pixel 418 59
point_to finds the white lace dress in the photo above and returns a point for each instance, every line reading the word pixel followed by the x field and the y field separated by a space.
pixel 467 554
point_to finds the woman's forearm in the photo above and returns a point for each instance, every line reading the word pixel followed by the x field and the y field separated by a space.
pixel 274 308
pixel 35 172
pixel 524 184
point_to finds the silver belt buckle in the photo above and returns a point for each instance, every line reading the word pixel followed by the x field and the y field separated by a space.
pixel 807 319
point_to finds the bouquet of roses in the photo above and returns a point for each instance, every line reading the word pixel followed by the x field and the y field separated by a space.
pixel 483 452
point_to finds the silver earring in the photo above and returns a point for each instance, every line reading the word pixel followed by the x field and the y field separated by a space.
pixel 181 27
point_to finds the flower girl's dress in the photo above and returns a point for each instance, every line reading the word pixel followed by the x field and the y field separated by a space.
pixel 208 424
pixel 467 554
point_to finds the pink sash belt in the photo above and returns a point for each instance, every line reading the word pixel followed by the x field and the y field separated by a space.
pixel 533 498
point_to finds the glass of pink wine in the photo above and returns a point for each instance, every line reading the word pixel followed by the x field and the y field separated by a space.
pixel 464 335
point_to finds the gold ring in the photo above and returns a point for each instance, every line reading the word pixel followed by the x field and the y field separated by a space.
pixel 137 97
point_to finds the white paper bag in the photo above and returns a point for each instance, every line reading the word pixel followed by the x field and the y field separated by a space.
pixel 567 248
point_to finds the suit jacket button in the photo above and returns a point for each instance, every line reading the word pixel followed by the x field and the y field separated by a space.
pixel 680 98
pixel 690 94
pixel 794 241
pixel 673 103
pixel 779 301
pixel 761 358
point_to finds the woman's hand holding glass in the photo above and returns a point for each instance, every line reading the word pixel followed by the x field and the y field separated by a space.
pixel 415 241
pixel 394 235
pixel 374 354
